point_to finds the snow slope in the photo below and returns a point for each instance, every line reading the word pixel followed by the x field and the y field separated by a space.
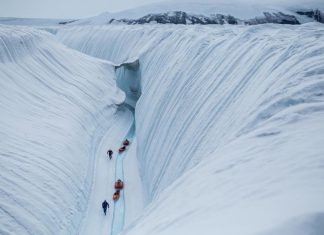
pixel 229 124
pixel 33 21
pixel 56 105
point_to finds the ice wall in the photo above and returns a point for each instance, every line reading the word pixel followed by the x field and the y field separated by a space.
pixel 228 125
pixel 55 106
pixel 128 79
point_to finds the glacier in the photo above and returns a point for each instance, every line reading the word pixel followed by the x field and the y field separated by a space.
pixel 56 106
pixel 228 125
pixel 229 128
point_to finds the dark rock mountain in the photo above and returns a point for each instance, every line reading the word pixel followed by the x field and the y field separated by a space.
pixel 314 14
pixel 180 17
pixel 275 18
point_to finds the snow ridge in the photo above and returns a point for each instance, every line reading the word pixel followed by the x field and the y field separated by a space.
pixel 55 107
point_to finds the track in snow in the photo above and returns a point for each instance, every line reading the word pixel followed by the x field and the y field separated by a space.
pixel 95 221
pixel 118 219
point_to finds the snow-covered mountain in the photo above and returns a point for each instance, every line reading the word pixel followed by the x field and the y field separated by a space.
pixel 228 133
pixel 202 12
pixel 211 12
pixel 180 17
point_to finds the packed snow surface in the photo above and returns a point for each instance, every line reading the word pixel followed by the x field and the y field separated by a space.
pixel 56 106
pixel 229 126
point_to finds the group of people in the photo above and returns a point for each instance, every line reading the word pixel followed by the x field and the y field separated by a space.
pixel 119 185
pixel 121 149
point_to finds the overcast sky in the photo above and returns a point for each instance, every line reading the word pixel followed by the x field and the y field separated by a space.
pixel 65 8
pixel 84 8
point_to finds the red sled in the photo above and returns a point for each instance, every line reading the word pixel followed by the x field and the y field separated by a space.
pixel 116 195
pixel 119 184
pixel 122 149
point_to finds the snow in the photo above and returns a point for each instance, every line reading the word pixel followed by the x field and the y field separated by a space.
pixel 229 124
pixel 103 18
pixel 56 105
pixel 243 184
pixel 229 129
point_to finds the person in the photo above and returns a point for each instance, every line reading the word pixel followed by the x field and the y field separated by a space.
pixel 105 205
pixel 110 153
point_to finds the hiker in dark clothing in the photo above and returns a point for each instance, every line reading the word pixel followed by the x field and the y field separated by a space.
pixel 110 153
pixel 105 205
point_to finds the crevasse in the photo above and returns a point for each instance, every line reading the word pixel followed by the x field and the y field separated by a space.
pixel 228 123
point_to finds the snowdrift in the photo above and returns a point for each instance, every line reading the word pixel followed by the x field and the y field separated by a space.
pixel 55 104
pixel 229 124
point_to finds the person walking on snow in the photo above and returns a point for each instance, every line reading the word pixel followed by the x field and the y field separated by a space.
pixel 105 205
pixel 110 153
